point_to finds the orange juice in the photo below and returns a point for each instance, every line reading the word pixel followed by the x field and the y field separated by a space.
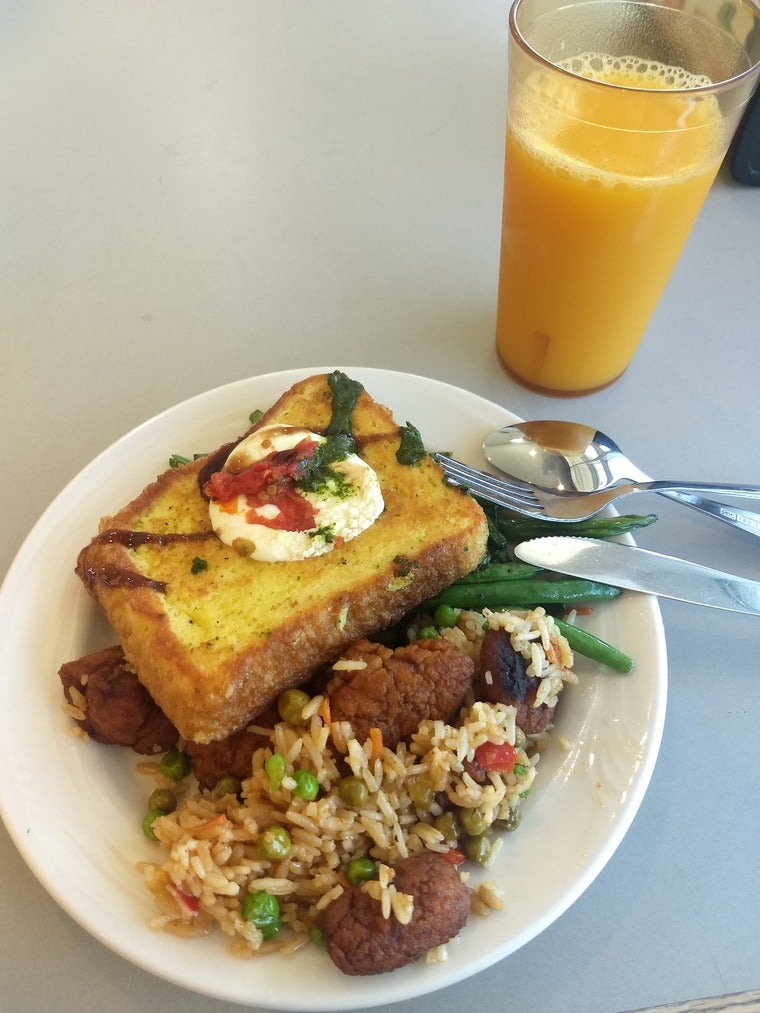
pixel 602 187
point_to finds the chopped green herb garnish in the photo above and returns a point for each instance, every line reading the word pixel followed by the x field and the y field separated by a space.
pixel 177 460
pixel 255 415
pixel 325 532
pixel 198 565
pixel 403 565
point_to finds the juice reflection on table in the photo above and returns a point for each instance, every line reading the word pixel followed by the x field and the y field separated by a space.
pixel 595 216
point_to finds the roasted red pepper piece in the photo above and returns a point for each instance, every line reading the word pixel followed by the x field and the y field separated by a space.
pixel 498 757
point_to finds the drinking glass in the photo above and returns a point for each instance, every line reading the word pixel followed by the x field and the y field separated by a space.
pixel 619 116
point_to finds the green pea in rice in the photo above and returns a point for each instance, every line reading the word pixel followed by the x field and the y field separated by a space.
pixel 212 859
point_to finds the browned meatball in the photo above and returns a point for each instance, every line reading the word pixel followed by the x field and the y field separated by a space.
pixel 118 709
pixel 502 678
pixel 361 941
pixel 533 720
pixel 232 756
pixel 400 688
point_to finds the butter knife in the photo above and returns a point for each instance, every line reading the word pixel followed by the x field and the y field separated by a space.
pixel 642 570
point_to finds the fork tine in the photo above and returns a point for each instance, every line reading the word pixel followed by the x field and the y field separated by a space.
pixel 490 484
pixel 520 499
pixel 516 491
pixel 455 468
pixel 489 492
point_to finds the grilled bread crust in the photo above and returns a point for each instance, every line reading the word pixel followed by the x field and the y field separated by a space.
pixel 216 641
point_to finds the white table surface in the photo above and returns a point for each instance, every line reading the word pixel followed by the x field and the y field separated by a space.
pixel 194 192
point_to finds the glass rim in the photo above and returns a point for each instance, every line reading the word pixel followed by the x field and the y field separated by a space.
pixel 702 89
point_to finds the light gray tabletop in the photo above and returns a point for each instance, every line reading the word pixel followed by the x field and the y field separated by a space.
pixel 191 193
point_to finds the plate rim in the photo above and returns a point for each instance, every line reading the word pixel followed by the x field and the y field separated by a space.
pixel 350 996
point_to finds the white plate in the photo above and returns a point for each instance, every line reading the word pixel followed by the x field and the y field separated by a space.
pixel 74 808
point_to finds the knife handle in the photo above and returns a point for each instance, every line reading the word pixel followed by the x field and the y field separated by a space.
pixel 745 520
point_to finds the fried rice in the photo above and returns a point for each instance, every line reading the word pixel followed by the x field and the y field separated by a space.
pixel 211 859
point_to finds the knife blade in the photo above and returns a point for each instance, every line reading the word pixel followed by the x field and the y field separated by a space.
pixel 638 569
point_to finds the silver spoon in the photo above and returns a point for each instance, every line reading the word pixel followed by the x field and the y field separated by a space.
pixel 566 457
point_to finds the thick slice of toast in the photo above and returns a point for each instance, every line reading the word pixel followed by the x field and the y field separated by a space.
pixel 215 636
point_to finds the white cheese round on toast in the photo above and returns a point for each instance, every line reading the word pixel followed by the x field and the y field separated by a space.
pixel 262 506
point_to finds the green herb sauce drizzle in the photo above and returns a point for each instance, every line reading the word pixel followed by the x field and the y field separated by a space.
pixel 339 440
pixel 411 449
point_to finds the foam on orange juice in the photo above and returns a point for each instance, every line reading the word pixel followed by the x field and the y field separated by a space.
pixel 595 216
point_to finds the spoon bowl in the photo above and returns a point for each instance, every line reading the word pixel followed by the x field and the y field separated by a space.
pixel 560 457
pixel 568 459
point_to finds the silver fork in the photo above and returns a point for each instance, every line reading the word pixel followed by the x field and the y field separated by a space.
pixel 524 499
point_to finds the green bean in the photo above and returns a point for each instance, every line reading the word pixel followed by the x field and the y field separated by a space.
pixel 522 594
pixel 593 647
pixel 498 546
pixel 516 528
pixel 501 571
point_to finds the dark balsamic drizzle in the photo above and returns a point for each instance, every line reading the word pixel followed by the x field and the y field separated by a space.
pixel 133 539
pixel 120 576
